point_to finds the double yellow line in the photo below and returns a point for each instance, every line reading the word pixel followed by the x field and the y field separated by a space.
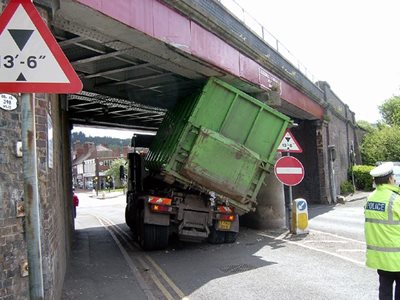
pixel 145 261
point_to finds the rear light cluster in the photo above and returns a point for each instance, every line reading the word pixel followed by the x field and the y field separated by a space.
pixel 225 213
pixel 160 208
pixel 160 205
pixel 230 218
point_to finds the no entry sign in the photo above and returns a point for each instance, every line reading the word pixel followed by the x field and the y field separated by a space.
pixel 289 170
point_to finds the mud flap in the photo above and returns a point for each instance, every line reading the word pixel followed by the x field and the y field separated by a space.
pixel 155 218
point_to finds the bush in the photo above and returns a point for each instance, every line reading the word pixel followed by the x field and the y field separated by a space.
pixel 362 179
pixel 346 188
pixel 381 145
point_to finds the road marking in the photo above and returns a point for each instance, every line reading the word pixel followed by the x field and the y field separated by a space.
pixel 312 248
pixel 146 289
pixel 325 241
pixel 156 281
pixel 338 236
pixel 169 281
pixel 350 250
pixel 166 278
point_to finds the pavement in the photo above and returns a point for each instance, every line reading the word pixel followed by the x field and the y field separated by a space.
pixel 97 269
pixel 358 195
pixel 103 194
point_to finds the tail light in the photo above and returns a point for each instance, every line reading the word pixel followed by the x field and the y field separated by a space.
pixel 160 208
pixel 230 218
pixel 160 205
pixel 225 213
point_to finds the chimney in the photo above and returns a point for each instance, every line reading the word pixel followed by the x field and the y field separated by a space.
pixel 88 147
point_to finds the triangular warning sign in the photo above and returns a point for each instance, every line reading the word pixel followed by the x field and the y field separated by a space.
pixel 289 143
pixel 31 61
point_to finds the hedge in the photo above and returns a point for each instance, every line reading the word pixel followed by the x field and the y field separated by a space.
pixel 362 179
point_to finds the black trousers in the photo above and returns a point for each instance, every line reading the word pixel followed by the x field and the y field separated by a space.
pixel 386 280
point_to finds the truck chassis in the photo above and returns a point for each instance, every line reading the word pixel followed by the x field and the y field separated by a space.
pixel 156 210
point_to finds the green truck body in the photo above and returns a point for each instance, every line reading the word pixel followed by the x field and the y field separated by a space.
pixel 219 140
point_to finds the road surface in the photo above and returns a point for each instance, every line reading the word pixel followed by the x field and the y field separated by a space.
pixel 328 263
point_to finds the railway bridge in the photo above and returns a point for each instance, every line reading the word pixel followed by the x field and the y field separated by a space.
pixel 137 59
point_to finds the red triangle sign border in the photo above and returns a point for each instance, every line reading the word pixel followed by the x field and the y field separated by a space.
pixel 73 86
pixel 298 150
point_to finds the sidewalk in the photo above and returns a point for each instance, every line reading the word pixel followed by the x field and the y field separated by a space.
pixel 107 194
pixel 357 195
pixel 97 269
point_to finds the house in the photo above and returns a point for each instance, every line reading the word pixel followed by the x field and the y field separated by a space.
pixel 90 163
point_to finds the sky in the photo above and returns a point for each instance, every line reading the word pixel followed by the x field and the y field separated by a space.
pixel 354 45
pixel 115 133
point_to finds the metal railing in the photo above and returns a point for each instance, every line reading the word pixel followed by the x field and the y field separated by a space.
pixel 266 36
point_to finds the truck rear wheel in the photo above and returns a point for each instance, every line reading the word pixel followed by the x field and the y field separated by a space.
pixel 129 219
pixel 230 237
pixel 216 236
pixel 152 237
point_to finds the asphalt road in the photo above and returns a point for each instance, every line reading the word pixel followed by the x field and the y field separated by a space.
pixel 328 263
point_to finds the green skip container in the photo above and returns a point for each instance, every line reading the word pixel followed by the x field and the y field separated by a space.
pixel 219 140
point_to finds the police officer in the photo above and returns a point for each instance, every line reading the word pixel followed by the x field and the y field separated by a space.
pixel 382 230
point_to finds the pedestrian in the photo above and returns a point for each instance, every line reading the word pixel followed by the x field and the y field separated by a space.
pixel 382 230
pixel 75 203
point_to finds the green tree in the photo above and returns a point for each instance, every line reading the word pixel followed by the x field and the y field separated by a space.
pixel 382 144
pixel 368 127
pixel 114 170
pixel 390 111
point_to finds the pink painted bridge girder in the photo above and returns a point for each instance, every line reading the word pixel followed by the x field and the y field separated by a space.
pixel 161 22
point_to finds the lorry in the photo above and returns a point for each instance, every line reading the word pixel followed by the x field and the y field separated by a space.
pixel 204 167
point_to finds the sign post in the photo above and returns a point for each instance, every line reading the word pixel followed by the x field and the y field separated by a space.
pixel 288 169
pixel 31 61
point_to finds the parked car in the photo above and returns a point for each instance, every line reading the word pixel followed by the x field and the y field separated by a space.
pixel 396 172
pixel 89 185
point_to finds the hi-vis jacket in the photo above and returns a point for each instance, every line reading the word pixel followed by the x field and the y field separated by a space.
pixel 382 228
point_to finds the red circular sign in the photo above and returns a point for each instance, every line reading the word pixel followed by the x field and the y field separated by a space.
pixel 289 170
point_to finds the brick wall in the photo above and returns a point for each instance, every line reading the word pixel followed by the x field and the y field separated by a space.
pixel 12 242
pixel 337 129
pixel 341 132
pixel 55 209
pixel 306 136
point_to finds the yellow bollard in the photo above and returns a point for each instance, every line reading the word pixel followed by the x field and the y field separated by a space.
pixel 299 216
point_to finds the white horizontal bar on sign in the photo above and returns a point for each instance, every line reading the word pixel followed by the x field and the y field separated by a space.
pixel 281 170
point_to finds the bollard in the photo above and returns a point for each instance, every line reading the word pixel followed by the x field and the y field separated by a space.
pixel 299 216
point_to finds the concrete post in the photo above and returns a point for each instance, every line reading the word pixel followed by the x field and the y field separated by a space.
pixel 270 213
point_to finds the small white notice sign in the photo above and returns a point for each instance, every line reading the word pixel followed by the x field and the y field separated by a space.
pixel 8 102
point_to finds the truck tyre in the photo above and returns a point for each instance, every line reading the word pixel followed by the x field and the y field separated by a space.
pixel 131 222
pixel 128 218
pixel 152 237
pixel 216 236
pixel 230 237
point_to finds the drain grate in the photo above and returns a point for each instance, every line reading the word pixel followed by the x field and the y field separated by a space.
pixel 232 269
